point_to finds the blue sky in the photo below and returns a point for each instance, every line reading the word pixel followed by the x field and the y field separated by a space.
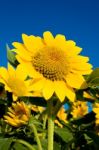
pixel 76 19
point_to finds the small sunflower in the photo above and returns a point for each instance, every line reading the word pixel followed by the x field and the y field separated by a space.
pixel 79 109
pixel 96 111
pixel 54 64
pixel 18 114
pixel 14 81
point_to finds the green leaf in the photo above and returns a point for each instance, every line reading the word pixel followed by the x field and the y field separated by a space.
pixel 64 133
pixel 44 144
pixel 93 79
pixel 94 137
pixel 94 82
pixel 11 56
pixel 89 140
pixel 18 146
pixel 57 146
pixel 34 121
pixel 5 143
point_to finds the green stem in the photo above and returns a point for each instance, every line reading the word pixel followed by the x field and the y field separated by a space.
pixel 50 133
pixel 57 107
pixel 44 125
pixel 36 136
pixel 44 121
pixel 50 125
pixel 24 143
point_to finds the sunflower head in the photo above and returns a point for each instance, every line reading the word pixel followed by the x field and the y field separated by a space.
pixel 54 63
pixel 18 114
pixel 79 109
pixel 15 81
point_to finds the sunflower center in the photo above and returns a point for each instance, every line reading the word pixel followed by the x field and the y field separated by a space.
pixel 51 63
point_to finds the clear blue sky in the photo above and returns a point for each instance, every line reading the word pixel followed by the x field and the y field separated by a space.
pixel 77 19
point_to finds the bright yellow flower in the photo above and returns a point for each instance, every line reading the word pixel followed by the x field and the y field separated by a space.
pixel 18 114
pixel 14 81
pixel 79 109
pixel 96 111
pixel 54 64
pixel 61 116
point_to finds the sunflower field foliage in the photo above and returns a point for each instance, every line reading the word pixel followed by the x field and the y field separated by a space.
pixel 49 96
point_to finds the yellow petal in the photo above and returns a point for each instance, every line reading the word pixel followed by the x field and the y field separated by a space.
pixel 70 93
pixel 76 50
pixel 32 43
pixel 87 95
pixel 21 73
pixel 28 41
pixel 11 110
pixel 48 38
pixel 76 81
pixel 97 115
pixel 22 51
pixel 37 84
pixel 81 72
pixel 97 104
pixel 48 89
pixel 14 97
pixel 29 70
pixel 70 48
pixel 81 66
pixel 2 81
pixel 70 43
pixel 11 114
pixel 79 59
pixel 25 118
pixel 11 71
pixel 3 73
pixel 7 88
pixel 21 60
pixel 97 122
pixel 60 37
pixel 62 90
pixel 17 121
pixel 60 40
pixel 58 123
pixel 10 121
pixel 35 74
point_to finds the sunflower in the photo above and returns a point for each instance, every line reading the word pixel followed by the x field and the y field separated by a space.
pixel 79 109
pixel 18 114
pixel 54 64
pixel 14 81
